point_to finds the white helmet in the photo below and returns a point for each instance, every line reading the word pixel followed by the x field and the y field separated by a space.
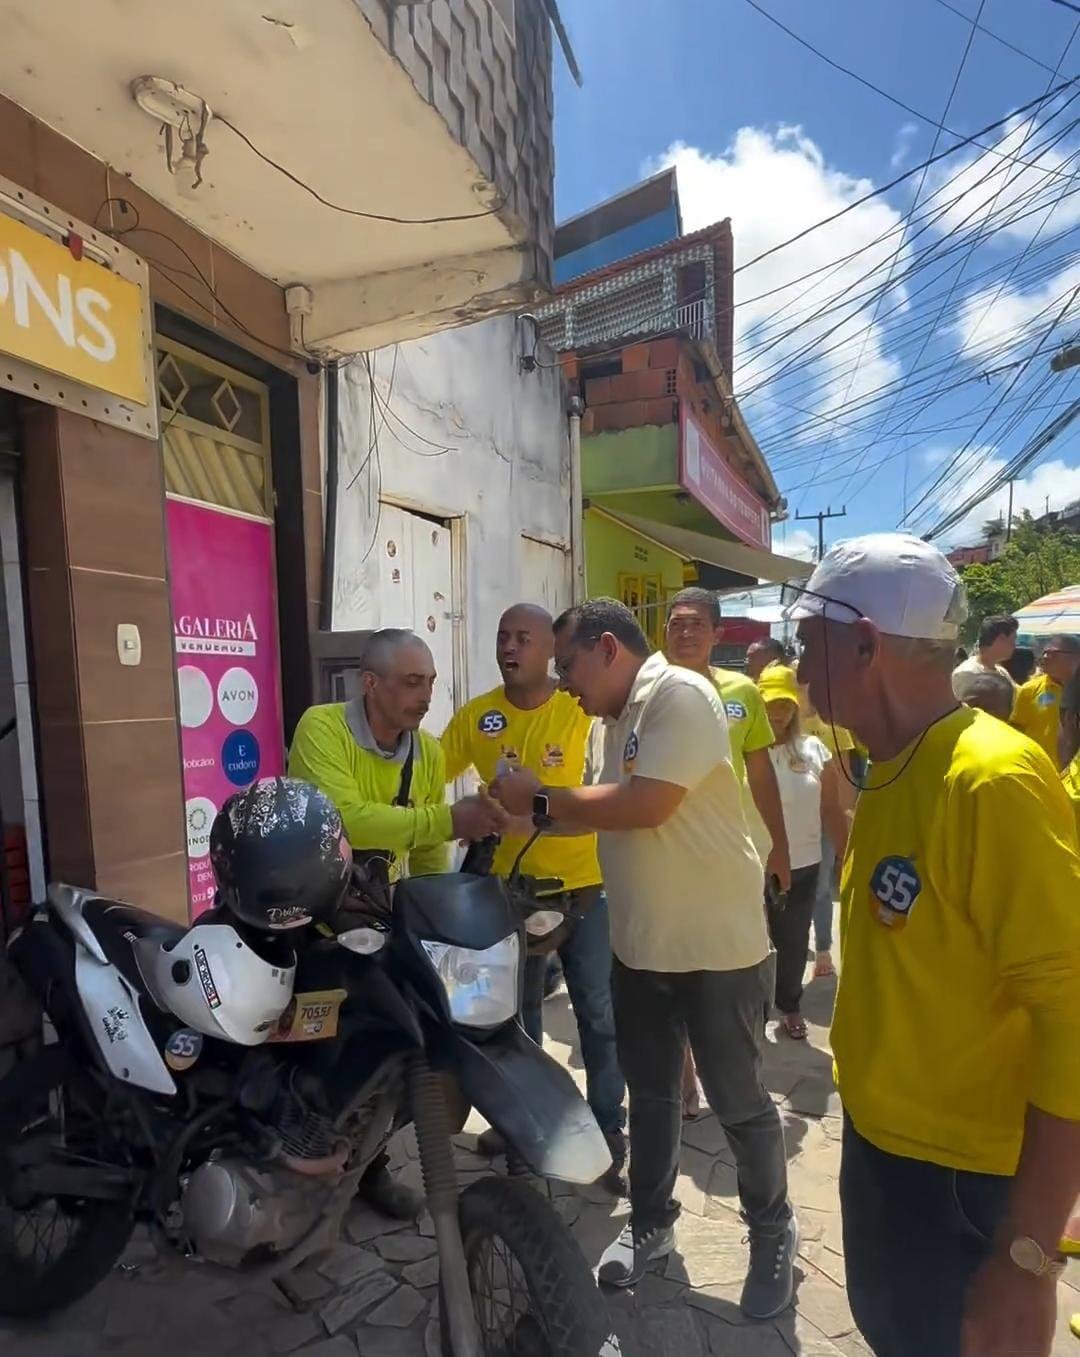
pixel 213 981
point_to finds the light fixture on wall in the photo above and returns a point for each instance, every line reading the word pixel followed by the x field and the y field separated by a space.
pixel 184 118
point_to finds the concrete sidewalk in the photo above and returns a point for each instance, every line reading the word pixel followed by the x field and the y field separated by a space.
pixel 376 1296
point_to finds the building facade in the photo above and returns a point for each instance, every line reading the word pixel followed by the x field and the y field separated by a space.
pixel 675 487
pixel 452 504
pixel 181 262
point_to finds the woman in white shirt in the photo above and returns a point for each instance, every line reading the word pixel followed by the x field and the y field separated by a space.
pixel 811 799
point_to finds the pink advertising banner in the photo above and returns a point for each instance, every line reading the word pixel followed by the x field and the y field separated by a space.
pixel 222 586
pixel 705 473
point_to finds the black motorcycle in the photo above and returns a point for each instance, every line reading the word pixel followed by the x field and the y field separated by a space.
pixel 250 1157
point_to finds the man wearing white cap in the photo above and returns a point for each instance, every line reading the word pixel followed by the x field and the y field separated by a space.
pixel 957 1025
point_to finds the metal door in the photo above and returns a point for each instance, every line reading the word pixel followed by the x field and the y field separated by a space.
pixel 545 574
pixel 415 591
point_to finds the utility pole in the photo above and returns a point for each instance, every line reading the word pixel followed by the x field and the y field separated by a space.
pixel 1008 530
pixel 821 516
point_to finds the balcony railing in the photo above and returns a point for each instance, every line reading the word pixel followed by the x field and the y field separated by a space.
pixel 693 317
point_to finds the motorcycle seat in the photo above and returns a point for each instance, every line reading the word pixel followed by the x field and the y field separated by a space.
pixel 116 926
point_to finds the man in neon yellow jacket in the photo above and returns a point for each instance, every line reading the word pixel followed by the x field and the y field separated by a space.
pixel 356 752
pixel 368 754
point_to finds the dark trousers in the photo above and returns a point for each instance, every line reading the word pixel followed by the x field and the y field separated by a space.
pixel 789 928
pixel 586 960
pixel 722 1013
pixel 914 1234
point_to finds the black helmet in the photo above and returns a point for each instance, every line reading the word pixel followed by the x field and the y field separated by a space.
pixel 280 855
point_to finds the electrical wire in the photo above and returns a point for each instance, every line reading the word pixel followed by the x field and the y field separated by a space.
pixel 997 37
pixel 882 189
pixel 868 84
pixel 1006 180
pixel 355 211
pixel 1028 455
pixel 903 230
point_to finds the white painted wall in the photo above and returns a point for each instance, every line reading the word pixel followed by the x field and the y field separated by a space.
pixel 457 432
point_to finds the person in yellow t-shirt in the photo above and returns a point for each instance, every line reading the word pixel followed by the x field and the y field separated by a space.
pixel 956 1034
pixel 694 627
pixel 1069 743
pixel 530 723
pixel 1037 702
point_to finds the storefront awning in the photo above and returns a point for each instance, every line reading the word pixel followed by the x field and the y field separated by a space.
pixel 699 546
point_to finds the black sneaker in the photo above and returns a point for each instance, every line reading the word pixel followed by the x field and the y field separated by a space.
pixel 770 1279
pixel 625 1261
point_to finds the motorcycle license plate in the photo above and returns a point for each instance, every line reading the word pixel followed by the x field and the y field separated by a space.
pixel 310 1017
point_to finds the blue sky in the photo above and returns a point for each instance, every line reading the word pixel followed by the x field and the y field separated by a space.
pixel 841 374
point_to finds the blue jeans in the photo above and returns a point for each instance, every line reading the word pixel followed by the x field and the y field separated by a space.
pixel 914 1235
pixel 823 900
pixel 586 959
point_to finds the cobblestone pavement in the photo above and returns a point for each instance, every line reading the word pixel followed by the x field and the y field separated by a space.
pixel 376 1295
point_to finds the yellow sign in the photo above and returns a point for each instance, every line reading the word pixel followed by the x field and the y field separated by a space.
pixel 70 316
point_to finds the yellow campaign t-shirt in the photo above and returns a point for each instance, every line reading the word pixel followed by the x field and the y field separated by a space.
pixel 1070 780
pixel 957 1005
pixel 1036 712
pixel 550 741
pixel 748 721
pixel 748 731
pixel 836 739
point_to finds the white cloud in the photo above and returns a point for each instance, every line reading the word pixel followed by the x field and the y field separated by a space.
pixel 995 316
pixel 983 187
pixel 797 543
pixel 773 184
pixel 902 148
pixel 1051 485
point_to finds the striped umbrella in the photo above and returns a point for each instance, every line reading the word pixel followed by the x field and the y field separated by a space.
pixel 1058 612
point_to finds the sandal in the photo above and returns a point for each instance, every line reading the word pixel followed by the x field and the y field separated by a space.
pixel 794 1026
pixel 823 966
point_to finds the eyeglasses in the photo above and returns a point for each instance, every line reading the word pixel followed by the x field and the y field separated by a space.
pixel 793 594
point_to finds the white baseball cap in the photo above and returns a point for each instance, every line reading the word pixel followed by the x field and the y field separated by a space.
pixel 904 585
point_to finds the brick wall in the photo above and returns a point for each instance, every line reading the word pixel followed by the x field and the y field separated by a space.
pixel 494 92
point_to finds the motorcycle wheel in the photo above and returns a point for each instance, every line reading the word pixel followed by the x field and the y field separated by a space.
pixel 54 1251
pixel 533 1292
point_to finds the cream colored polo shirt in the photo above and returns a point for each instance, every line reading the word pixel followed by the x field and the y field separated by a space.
pixel 686 896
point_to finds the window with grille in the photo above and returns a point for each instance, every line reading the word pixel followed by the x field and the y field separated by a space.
pixel 215 431
pixel 644 596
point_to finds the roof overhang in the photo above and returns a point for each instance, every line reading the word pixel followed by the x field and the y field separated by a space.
pixel 718 551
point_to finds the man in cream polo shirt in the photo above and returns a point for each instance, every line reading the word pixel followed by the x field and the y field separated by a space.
pixel 687 929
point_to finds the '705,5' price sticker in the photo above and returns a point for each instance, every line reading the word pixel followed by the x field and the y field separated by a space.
pixel 894 888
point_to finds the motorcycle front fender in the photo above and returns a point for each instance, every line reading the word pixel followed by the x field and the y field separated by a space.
pixel 529 1099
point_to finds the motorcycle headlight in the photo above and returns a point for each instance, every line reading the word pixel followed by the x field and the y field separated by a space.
pixel 481 986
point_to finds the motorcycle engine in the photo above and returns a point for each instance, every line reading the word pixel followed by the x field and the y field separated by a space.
pixel 230 1206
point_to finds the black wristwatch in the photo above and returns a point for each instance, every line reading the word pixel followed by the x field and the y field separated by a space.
pixel 541 811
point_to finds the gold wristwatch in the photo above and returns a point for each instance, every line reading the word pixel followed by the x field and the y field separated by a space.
pixel 1032 1258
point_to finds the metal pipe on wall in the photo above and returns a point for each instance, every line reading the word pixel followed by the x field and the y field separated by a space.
pixel 577 525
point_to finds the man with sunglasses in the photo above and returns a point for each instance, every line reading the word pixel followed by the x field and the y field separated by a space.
pixel 956 1033
pixel 1038 702
pixel 687 929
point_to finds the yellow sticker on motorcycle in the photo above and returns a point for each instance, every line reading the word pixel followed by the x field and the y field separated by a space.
pixel 310 1017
